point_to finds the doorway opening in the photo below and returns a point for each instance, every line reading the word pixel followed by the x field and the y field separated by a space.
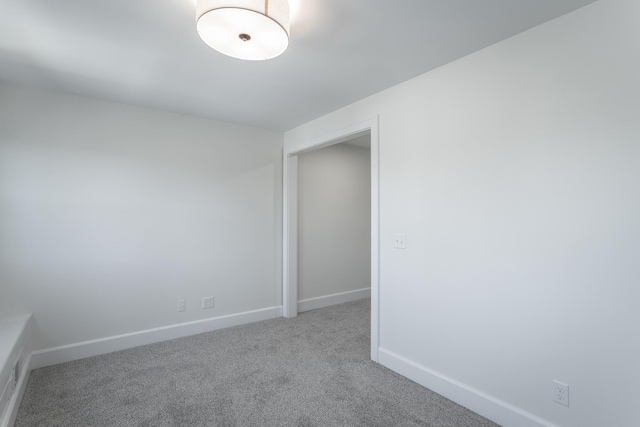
pixel 291 221
pixel 334 224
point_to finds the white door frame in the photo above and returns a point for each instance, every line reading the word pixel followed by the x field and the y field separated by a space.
pixel 290 220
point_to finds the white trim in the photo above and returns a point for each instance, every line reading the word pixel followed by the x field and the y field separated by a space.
pixel 67 353
pixel 290 236
pixel 11 412
pixel 482 403
pixel 333 138
pixel 333 299
pixel 375 239
pixel 290 215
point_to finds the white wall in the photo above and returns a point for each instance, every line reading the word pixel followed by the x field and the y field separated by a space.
pixel 334 221
pixel 111 213
pixel 514 173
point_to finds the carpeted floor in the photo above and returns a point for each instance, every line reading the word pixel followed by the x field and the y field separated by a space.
pixel 313 370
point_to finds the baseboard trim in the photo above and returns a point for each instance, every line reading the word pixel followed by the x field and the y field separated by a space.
pixel 333 299
pixel 67 353
pixel 488 406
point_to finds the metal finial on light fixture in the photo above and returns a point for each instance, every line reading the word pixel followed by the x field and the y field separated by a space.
pixel 244 29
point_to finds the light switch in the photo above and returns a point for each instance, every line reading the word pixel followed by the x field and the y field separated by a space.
pixel 400 241
pixel 207 302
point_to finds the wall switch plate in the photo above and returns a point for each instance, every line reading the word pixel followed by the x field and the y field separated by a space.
pixel 560 393
pixel 182 305
pixel 207 302
pixel 400 241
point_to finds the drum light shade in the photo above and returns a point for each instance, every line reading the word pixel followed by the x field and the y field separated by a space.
pixel 244 29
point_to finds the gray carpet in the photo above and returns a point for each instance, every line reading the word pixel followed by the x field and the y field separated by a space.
pixel 313 370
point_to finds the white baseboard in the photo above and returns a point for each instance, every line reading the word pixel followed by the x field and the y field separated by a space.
pixel 14 404
pixel 67 353
pixel 488 406
pixel 333 299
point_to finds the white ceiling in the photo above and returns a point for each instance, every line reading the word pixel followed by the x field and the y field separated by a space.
pixel 147 52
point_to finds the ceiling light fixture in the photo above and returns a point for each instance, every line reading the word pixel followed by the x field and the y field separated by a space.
pixel 244 29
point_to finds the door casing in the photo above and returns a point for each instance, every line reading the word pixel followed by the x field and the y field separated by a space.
pixel 290 219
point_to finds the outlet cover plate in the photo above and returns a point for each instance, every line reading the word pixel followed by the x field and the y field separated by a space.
pixel 560 393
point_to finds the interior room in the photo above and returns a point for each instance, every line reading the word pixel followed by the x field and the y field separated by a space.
pixel 158 189
pixel 334 205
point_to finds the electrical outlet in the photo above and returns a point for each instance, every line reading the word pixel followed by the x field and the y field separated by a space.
pixel 560 393
pixel 182 305
pixel 207 302
pixel 16 374
pixel 12 382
